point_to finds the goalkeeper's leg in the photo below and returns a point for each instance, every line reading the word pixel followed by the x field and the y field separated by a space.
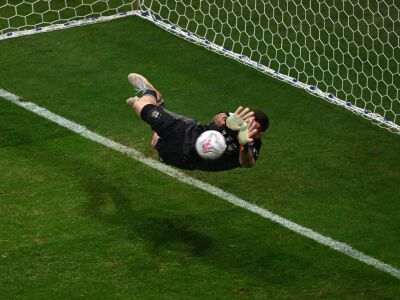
pixel 149 94
pixel 154 140
pixel 139 103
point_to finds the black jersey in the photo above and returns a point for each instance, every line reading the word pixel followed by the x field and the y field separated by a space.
pixel 229 159
pixel 178 135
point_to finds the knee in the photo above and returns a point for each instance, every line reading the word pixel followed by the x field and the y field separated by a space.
pixel 154 140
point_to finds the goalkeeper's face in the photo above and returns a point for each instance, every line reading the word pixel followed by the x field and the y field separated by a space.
pixel 259 133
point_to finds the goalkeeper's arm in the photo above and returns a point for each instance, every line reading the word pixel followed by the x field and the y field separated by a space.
pixel 242 120
pixel 245 135
pixel 246 158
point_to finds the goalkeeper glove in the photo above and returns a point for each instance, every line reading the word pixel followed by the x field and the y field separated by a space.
pixel 240 116
pixel 234 122
pixel 243 135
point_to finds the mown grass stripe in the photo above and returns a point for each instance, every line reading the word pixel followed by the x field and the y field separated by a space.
pixel 84 132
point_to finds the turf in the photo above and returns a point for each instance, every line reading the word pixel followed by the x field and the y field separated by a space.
pixel 79 219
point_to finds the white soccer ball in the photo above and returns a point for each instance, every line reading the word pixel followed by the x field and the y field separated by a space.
pixel 210 144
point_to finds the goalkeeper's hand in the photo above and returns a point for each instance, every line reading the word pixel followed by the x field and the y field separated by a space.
pixel 247 131
pixel 239 118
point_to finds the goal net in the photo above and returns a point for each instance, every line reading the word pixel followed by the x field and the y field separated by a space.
pixel 345 51
pixel 24 17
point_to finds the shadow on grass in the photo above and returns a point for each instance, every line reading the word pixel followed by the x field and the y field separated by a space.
pixel 273 259
pixel 108 203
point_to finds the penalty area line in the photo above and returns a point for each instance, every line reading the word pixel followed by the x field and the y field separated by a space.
pixel 306 232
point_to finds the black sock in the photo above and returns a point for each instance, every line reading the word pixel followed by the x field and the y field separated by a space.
pixel 150 93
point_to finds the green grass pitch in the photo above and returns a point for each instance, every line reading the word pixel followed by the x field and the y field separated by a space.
pixel 78 220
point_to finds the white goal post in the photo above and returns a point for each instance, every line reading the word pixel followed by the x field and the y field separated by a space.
pixel 345 51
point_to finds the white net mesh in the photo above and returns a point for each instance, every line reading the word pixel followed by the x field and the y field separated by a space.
pixel 347 51
pixel 19 17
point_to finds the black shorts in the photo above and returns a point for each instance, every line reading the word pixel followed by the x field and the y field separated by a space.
pixel 175 131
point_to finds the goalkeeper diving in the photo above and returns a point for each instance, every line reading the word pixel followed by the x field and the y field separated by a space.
pixel 175 136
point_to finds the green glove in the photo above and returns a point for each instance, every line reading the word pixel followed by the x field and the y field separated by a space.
pixel 243 135
pixel 234 122
pixel 240 116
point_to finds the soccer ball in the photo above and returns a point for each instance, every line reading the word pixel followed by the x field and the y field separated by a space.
pixel 210 144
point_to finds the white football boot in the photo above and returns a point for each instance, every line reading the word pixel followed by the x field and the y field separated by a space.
pixel 141 84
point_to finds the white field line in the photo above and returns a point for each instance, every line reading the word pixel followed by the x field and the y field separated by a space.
pixel 83 131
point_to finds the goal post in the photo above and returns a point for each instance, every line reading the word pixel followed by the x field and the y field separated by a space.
pixel 345 51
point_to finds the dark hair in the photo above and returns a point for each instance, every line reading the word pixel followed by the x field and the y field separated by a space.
pixel 261 118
